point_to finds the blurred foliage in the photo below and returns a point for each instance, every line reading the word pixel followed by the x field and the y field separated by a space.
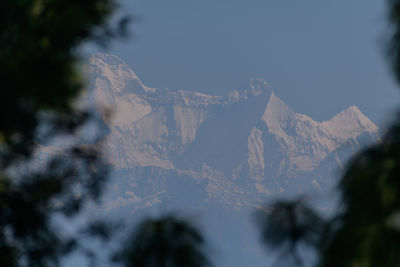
pixel 40 82
pixel 164 242
pixel 394 45
pixel 287 225
pixel 365 232
pixel 38 42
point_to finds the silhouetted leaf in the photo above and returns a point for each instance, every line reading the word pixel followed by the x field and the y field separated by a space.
pixel 167 241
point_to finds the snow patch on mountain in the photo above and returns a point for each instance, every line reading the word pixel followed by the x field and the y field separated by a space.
pixel 256 154
pixel 349 123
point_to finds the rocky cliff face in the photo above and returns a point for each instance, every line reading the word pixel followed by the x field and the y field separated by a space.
pixel 236 149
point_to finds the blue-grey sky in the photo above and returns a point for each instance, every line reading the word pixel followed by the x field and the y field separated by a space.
pixel 318 55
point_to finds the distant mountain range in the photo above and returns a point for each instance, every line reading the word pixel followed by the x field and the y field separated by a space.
pixel 235 150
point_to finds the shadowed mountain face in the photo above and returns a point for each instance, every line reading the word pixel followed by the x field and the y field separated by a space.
pixel 235 150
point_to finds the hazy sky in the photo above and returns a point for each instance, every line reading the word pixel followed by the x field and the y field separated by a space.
pixel 318 55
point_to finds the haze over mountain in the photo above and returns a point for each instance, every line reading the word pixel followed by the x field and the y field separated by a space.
pixel 236 150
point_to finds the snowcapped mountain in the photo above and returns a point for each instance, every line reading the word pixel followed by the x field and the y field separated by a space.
pixel 236 150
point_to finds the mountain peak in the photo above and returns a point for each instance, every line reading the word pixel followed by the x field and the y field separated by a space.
pixel 112 63
pixel 277 114
pixel 120 76
pixel 259 86
pixel 350 112
pixel 350 122
pixel 354 115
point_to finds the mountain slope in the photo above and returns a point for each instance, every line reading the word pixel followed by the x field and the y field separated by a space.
pixel 236 149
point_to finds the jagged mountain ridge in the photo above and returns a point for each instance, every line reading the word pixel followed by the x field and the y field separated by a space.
pixel 240 148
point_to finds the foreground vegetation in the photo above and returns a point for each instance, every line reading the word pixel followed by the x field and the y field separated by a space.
pixel 38 59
